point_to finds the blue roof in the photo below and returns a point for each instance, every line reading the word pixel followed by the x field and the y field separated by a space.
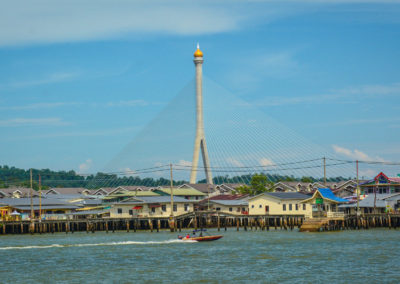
pixel 327 193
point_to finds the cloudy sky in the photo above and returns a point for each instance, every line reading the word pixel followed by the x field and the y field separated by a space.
pixel 79 80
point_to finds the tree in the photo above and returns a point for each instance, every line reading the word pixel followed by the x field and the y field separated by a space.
pixel 307 179
pixel 259 183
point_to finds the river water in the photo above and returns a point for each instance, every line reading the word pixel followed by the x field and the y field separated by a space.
pixel 371 256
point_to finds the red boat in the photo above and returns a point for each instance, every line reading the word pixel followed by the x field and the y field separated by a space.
pixel 200 238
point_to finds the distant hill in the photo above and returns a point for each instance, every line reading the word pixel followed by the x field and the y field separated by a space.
pixel 11 176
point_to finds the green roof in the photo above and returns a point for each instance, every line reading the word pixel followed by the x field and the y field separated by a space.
pixel 182 191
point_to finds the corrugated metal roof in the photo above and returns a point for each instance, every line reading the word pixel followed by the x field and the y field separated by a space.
pixel 27 201
pixel 133 193
pixel 45 207
pixel 155 199
pixel 369 200
pixel 183 191
pixel 234 202
pixel 287 195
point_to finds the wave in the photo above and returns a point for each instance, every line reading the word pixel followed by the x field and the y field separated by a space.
pixel 100 244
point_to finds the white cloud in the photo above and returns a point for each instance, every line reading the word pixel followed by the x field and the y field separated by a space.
pixel 266 162
pixel 84 167
pixel 234 162
pixel 254 67
pixel 355 154
pixel 47 21
pixel 359 122
pixel 367 173
pixel 131 103
pixel 14 122
pixel 48 79
pixel 345 95
pixel 40 106
pixel 103 132
pixel 184 163
pixel 129 172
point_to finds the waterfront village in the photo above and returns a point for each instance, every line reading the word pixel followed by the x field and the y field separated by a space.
pixel 380 195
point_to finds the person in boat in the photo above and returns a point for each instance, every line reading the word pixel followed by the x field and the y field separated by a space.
pixel 188 236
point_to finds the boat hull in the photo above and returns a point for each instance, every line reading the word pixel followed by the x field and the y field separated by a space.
pixel 203 239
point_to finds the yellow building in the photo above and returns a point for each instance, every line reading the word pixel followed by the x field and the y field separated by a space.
pixel 279 203
pixel 151 206
pixel 234 207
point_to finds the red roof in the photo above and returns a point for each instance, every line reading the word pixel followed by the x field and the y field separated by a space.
pixel 381 174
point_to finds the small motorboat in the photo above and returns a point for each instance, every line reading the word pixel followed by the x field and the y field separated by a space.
pixel 200 237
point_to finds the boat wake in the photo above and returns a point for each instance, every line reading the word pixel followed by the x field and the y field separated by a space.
pixel 100 244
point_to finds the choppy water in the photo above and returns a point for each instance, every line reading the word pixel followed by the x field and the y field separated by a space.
pixel 275 257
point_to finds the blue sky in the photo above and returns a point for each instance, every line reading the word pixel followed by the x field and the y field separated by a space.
pixel 79 80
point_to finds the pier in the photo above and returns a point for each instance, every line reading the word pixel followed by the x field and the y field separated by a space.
pixel 201 220
pixel 175 224
pixel 351 222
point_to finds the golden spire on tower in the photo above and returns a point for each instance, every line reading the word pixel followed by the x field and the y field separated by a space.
pixel 198 52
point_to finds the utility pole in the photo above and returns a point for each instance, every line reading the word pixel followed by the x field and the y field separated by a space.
pixel 358 192
pixel 324 171
pixel 32 212
pixel 376 185
pixel 208 199
pixel 40 198
pixel 172 191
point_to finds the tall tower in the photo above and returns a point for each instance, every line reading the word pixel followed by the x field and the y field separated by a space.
pixel 200 140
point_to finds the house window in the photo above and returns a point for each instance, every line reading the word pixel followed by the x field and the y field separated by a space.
pixel 164 208
pixel 175 208
pixel 290 207
pixel 284 207
pixel 304 206
pixel 218 209
pixel 119 210
pixel 266 208
pixel 230 209
pixel 186 207
pixel 130 212
pixel 260 206
pixel 297 207
pixel 252 206
pixel 153 209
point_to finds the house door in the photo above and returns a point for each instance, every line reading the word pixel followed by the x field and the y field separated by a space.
pixel 266 209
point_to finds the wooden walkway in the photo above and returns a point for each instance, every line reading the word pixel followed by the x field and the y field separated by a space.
pixel 221 221
pixel 353 222
pixel 188 221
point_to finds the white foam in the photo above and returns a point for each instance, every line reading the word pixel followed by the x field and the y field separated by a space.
pixel 100 244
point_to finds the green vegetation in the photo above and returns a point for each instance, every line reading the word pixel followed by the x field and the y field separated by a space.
pixel 259 183
pixel 11 176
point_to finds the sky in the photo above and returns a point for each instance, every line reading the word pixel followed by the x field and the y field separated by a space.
pixel 81 80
